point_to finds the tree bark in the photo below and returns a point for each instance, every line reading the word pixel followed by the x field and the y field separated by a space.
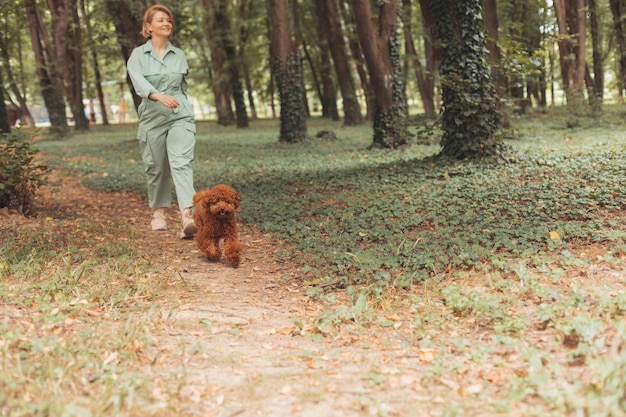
pixel 26 117
pixel 423 76
pixel 68 57
pixel 285 64
pixel 94 62
pixel 597 96
pixel 382 55
pixel 621 41
pixel 223 29
pixel 220 77
pixel 570 16
pixel 357 57
pixel 128 22
pixel 328 92
pixel 52 96
pixel 351 108
pixel 490 14
pixel 5 127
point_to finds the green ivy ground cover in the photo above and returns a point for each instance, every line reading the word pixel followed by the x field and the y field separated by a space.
pixel 354 215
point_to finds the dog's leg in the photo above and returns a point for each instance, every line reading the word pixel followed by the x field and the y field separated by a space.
pixel 213 251
pixel 232 250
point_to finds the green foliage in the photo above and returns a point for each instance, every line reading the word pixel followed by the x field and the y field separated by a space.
pixel 20 174
pixel 355 215
pixel 470 119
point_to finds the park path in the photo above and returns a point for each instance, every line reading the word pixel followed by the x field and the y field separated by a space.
pixel 243 341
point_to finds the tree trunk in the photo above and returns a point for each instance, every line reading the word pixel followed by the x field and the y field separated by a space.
pixel 328 93
pixel 328 10
pixel 220 78
pixel 491 24
pixel 597 96
pixel 570 16
pixel 470 116
pixel 25 116
pixel 94 62
pixel 382 55
pixel 428 79
pixel 52 97
pixel 424 78
pixel 68 57
pixel 285 64
pixel 245 13
pixel 621 40
pixel 128 22
pixel 5 127
pixel 359 60
pixel 224 32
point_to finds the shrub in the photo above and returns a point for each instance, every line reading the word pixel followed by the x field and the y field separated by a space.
pixel 20 174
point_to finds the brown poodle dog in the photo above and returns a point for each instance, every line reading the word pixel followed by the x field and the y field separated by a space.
pixel 214 214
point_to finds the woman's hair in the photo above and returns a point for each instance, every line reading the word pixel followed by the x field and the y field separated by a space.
pixel 149 15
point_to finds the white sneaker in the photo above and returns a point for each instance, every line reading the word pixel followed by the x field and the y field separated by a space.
pixel 158 220
pixel 189 226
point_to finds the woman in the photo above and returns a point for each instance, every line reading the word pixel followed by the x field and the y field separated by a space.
pixel 167 131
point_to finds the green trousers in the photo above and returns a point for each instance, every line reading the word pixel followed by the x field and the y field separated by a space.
pixel 168 159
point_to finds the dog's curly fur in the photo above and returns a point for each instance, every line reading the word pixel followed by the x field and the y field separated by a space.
pixel 214 214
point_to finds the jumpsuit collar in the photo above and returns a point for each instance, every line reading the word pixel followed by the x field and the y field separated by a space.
pixel 149 48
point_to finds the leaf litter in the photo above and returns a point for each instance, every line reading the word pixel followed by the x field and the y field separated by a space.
pixel 218 341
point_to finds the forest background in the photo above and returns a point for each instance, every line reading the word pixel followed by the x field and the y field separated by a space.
pixel 391 266
pixel 358 60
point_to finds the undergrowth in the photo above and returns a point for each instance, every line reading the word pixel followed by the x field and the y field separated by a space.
pixel 69 341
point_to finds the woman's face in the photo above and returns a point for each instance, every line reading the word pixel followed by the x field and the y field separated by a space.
pixel 161 25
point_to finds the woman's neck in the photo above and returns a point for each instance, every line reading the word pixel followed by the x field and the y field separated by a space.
pixel 159 43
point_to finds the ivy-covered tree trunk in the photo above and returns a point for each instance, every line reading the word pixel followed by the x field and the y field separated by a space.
pixel 382 55
pixel 286 69
pixel 470 117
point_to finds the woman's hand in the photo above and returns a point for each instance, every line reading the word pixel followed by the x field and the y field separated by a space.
pixel 167 100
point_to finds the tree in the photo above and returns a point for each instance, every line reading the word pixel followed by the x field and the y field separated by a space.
pixel 571 20
pixel 616 11
pixel 68 57
pixel 128 19
pixel 382 55
pixel 94 62
pixel 11 46
pixel 52 95
pixel 425 75
pixel 5 127
pixel 285 64
pixel 327 11
pixel 470 118
pixel 224 31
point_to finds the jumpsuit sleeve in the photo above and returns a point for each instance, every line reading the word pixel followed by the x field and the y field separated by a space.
pixel 142 86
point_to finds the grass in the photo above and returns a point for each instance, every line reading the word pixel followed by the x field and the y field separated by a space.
pixel 506 279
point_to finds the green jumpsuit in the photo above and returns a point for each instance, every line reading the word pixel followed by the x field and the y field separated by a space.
pixel 166 136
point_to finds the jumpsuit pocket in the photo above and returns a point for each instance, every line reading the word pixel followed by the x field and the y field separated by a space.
pixel 146 153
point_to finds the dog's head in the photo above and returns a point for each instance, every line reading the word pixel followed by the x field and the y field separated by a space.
pixel 221 201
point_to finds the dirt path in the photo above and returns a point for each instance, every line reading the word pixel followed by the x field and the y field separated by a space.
pixel 246 341
pixel 227 337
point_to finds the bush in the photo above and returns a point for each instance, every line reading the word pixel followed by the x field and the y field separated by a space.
pixel 20 174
